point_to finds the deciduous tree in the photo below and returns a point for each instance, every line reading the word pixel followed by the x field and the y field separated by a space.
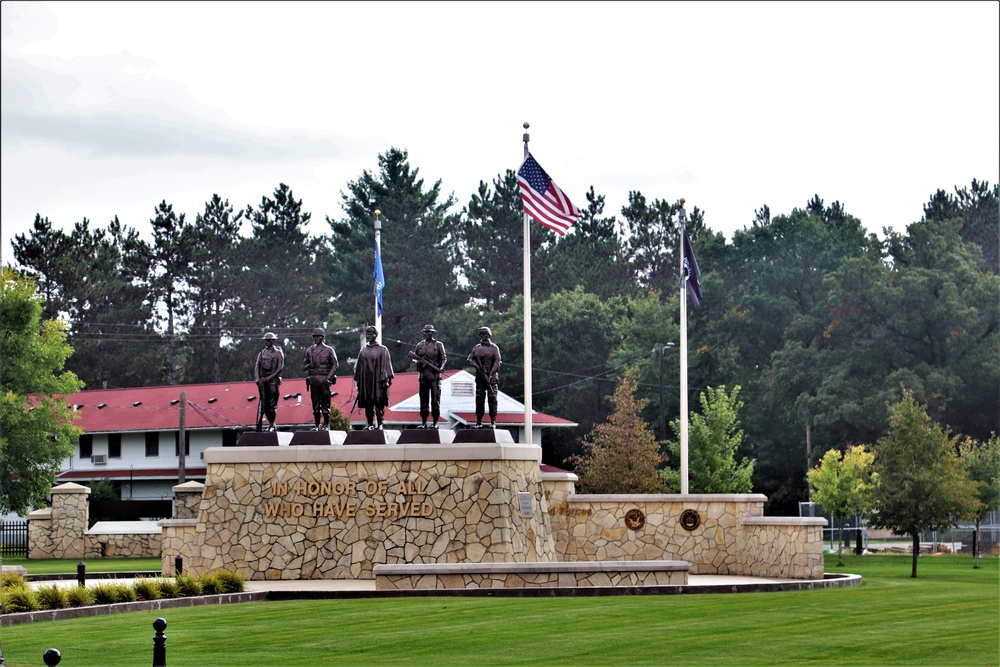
pixel 920 484
pixel 36 423
pixel 982 462
pixel 714 439
pixel 843 485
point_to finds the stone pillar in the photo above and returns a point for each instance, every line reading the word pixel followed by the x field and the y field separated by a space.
pixel 187 499
pixel 57 532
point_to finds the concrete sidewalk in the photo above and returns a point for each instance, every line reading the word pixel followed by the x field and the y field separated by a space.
pixel 696 583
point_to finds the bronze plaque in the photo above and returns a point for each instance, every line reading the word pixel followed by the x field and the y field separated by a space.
pixel 635 520
pixel 690 519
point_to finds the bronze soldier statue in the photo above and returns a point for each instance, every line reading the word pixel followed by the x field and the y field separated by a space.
pixel 373 375
pixel 320 367
pixel 485 356
pixel 267 374
pixel 431 357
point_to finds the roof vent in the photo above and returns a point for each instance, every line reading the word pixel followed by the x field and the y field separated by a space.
pixel 175 401
pixel 212 400
pixel 101 406
pixel 137 404
pixel 251 398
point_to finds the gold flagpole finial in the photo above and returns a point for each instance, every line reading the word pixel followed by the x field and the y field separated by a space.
pixel 378 212
pixel 526 125
pixel 682 204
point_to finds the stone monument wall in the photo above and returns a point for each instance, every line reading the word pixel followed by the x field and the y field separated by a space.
pixel 334 512
pixel 716 533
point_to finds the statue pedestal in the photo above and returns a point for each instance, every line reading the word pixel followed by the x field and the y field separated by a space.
pixel 318 438
pixel 372 437
pixel 264 439
pixel 426 436
pixel 483 435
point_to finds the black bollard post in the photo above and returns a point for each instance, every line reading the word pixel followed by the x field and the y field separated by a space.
pixel 178 565
pixel 160 643
pixel 81 573
pixel 858 546
pixel 52 657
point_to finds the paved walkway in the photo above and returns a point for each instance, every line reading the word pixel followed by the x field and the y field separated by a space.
pixel 309 585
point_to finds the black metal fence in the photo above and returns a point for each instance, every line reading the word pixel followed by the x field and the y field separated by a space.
pixel 13 538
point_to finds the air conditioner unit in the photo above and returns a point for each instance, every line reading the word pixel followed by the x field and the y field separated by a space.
pixel 99 459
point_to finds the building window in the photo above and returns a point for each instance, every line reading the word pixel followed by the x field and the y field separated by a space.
pixel 86 446
pixel 230 437
pixel 114 445
pixel 152 444
pixel 187 444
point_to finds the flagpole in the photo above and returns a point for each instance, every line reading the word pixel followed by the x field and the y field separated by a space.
pixel 682 214
pixel 527 315
pixel 378 253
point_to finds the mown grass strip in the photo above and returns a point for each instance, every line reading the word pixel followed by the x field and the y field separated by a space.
pixel 68 565
pixel 948 616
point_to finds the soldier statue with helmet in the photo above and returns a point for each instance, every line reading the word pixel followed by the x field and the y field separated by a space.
pixel 320 367
pixel 431 358
pixel 267 374
pixel 485 357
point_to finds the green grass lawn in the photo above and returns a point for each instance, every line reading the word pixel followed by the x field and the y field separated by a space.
pixel 68 566
pixel 950 615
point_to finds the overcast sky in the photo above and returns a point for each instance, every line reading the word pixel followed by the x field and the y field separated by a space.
pixel 109 108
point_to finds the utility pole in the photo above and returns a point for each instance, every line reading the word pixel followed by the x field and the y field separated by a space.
pixel 181 441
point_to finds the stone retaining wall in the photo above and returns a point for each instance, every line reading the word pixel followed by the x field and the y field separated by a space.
pixel 787 547
pixel 530 575
pixel 122 545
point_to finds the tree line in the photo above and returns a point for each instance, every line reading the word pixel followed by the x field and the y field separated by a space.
pixel 820 324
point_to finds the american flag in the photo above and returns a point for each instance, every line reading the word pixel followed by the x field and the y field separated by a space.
pixel 543 200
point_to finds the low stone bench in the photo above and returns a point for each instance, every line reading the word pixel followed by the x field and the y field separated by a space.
pixel 451 576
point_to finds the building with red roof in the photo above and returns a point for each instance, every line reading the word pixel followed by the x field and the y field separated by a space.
pixel 131 436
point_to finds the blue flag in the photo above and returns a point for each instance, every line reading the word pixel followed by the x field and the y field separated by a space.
pixel 379 280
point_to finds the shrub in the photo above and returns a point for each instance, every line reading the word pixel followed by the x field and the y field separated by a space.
pixel 52 596
pixel 112 592
pixel 79 596
pixel 147 588
pixel 187 586
pixel 12 580
pixel 232 582
pixel 168 588
pixel 210 584
pixel 127 593
pixel 19 598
